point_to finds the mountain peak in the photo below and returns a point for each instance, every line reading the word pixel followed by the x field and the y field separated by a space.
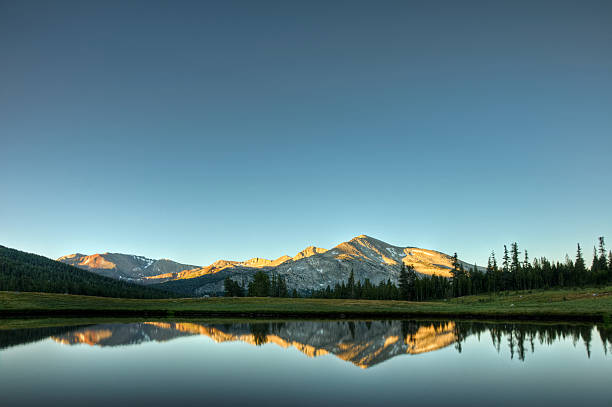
pixel 222 263
pixel 71 256
pixel 368 238
pixel 309 251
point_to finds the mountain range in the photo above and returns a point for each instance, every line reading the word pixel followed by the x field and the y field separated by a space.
pixel 311 269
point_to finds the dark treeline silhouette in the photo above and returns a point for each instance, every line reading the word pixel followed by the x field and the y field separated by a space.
pixel 233 288
pixel 21 271
pixel 410 287
pixel 515 273
pixel 261 286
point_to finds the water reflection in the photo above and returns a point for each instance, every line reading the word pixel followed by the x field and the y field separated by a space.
pixel 362 343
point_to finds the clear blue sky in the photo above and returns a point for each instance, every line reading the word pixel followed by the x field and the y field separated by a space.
pixel 205 130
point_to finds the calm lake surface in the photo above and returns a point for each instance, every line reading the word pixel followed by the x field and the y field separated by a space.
pixel 306 363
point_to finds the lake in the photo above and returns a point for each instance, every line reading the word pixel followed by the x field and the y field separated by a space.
pixel 304 363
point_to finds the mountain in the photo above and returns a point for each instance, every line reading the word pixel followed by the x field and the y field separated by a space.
pixel 123 266
pixel 311 269
pixel 316 268
pixel 21 271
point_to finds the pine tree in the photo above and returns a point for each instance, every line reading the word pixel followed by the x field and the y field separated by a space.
pixel 603 263
pixel 494 260
pixel 455 271
pixel 412 282
pixel 491 285
pixel 351 285
pixel 579 266
pixel 229 287
pixel 506 260
pixel 404 284
pixel 595 263
pixel 578 271
pixel 515 266
pixel 282 288
pixel 260 286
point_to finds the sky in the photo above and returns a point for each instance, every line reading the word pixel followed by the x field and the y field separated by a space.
pixel 204 130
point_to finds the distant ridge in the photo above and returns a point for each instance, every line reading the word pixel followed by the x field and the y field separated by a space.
pixel 123 266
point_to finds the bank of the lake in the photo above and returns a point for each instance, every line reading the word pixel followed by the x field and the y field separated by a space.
pixel 589 304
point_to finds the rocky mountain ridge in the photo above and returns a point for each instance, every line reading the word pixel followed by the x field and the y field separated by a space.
pixel 123 266
pixel 312 268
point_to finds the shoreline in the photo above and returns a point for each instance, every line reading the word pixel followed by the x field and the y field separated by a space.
pixel 324 315
pixel 585 305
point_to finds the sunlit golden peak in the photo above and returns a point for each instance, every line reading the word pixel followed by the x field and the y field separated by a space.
pixel 71 256
pixel 309 251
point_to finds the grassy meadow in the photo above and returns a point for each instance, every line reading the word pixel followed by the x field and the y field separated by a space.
pixel 592 304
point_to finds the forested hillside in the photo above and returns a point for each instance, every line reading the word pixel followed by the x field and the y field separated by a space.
pixel 21 271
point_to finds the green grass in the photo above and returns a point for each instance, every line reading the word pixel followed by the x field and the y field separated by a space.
pixel 576 305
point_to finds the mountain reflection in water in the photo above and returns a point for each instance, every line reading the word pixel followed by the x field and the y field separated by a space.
pixel 363 343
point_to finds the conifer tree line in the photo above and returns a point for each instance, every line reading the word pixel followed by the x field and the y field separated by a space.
pixel 516 272
pixel 410 287
pixel 261 286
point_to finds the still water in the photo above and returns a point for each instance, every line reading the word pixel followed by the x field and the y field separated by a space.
pixel 306 363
